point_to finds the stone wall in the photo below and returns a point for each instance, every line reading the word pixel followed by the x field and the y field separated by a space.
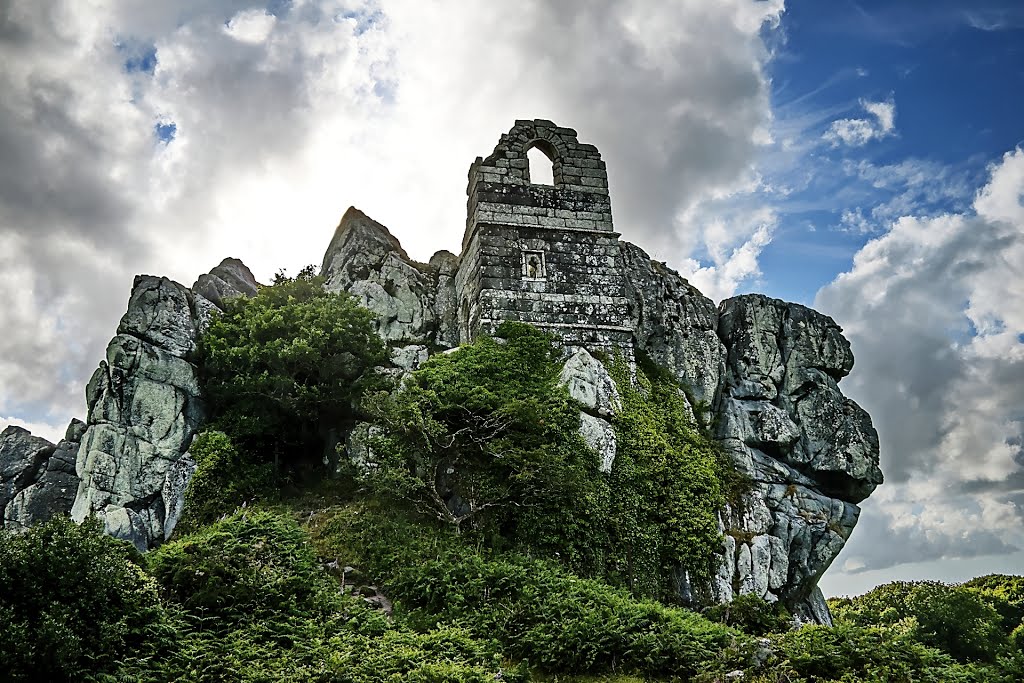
pixel 546 255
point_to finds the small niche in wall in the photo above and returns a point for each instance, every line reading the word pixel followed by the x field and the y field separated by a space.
pixel 534 265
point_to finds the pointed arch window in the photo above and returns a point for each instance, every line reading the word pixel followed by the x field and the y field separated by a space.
pixel 541 156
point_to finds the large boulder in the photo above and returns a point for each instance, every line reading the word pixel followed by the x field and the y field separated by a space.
pixel 365 260
pixel 231 278
pixel 588 382
pixel 674 324
pixel 21 456
pixel 144 409
pixel 37 479
pixel 810 452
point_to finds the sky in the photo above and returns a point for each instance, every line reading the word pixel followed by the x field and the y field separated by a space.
pixel 864 158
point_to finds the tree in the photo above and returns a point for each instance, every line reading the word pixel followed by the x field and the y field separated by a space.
pixel 954 619
pixel 283 369
pixel 484 437
pixel 74 601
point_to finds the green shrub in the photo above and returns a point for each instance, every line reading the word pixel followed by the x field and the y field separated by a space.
pixel 1004 593
pixel 954 619
pixel 751 614
pixel 871 654
pixel 537 611
pixel 485 441
pixel 255 564
pixel 281 370
pixel 256 606
pixel 224 479
pixel 667 479
pixel 72 602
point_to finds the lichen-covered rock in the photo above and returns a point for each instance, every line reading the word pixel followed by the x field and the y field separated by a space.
pixel 41 476
pixel 231 278
pixel 406 359
pixel 811 453
pixel 365 260
pixel 588 382
pixel 763 371
pixel 21 455
pixel 144 409
pixel 599 435
pixel 674 323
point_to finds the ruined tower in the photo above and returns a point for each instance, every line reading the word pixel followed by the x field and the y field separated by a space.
pixel 542 254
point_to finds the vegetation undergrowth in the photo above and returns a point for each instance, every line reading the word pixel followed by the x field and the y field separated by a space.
pixel 536 610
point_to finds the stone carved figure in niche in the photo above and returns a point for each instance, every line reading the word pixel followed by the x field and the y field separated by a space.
pixel 533 265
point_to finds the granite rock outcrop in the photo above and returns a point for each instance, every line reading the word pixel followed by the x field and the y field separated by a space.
pixel 810 452
pixel 761 373
pixel 37 478
pixel 145 406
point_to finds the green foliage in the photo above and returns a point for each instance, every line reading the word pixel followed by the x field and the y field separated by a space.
pixel 224 479
pixel 954 619
pixel 252 565
pixel 866 654
pixel 72 601
pixel 751 614
pixel 1004 593
pixel 537 611
pixel 255 605
pixel 667 479
pixel 281 370
pixel 483 439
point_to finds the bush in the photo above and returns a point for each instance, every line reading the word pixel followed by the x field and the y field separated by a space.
pixel 72 602
pixel 667 478
pixel 485 441
pixel 256 606
pixel 954 619
pixel 856 654
pixel 281 370
pixel 253 565
pixel 224 479
pixel 751 614
pixel 1004 593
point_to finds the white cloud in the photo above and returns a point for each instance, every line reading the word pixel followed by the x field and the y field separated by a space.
pixel 859 132
pixel 935 313
pixel 250 26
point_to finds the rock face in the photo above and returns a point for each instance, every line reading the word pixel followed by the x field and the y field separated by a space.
pixel 674 324
pixel 811 452
pixel 144 408
pixel 414 301
pixel 762 371
pixel 37 479
pixel 588 381
pixel 231 278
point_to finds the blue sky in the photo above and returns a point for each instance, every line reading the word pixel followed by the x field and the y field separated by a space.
pixel 955 75
pixel 863 158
